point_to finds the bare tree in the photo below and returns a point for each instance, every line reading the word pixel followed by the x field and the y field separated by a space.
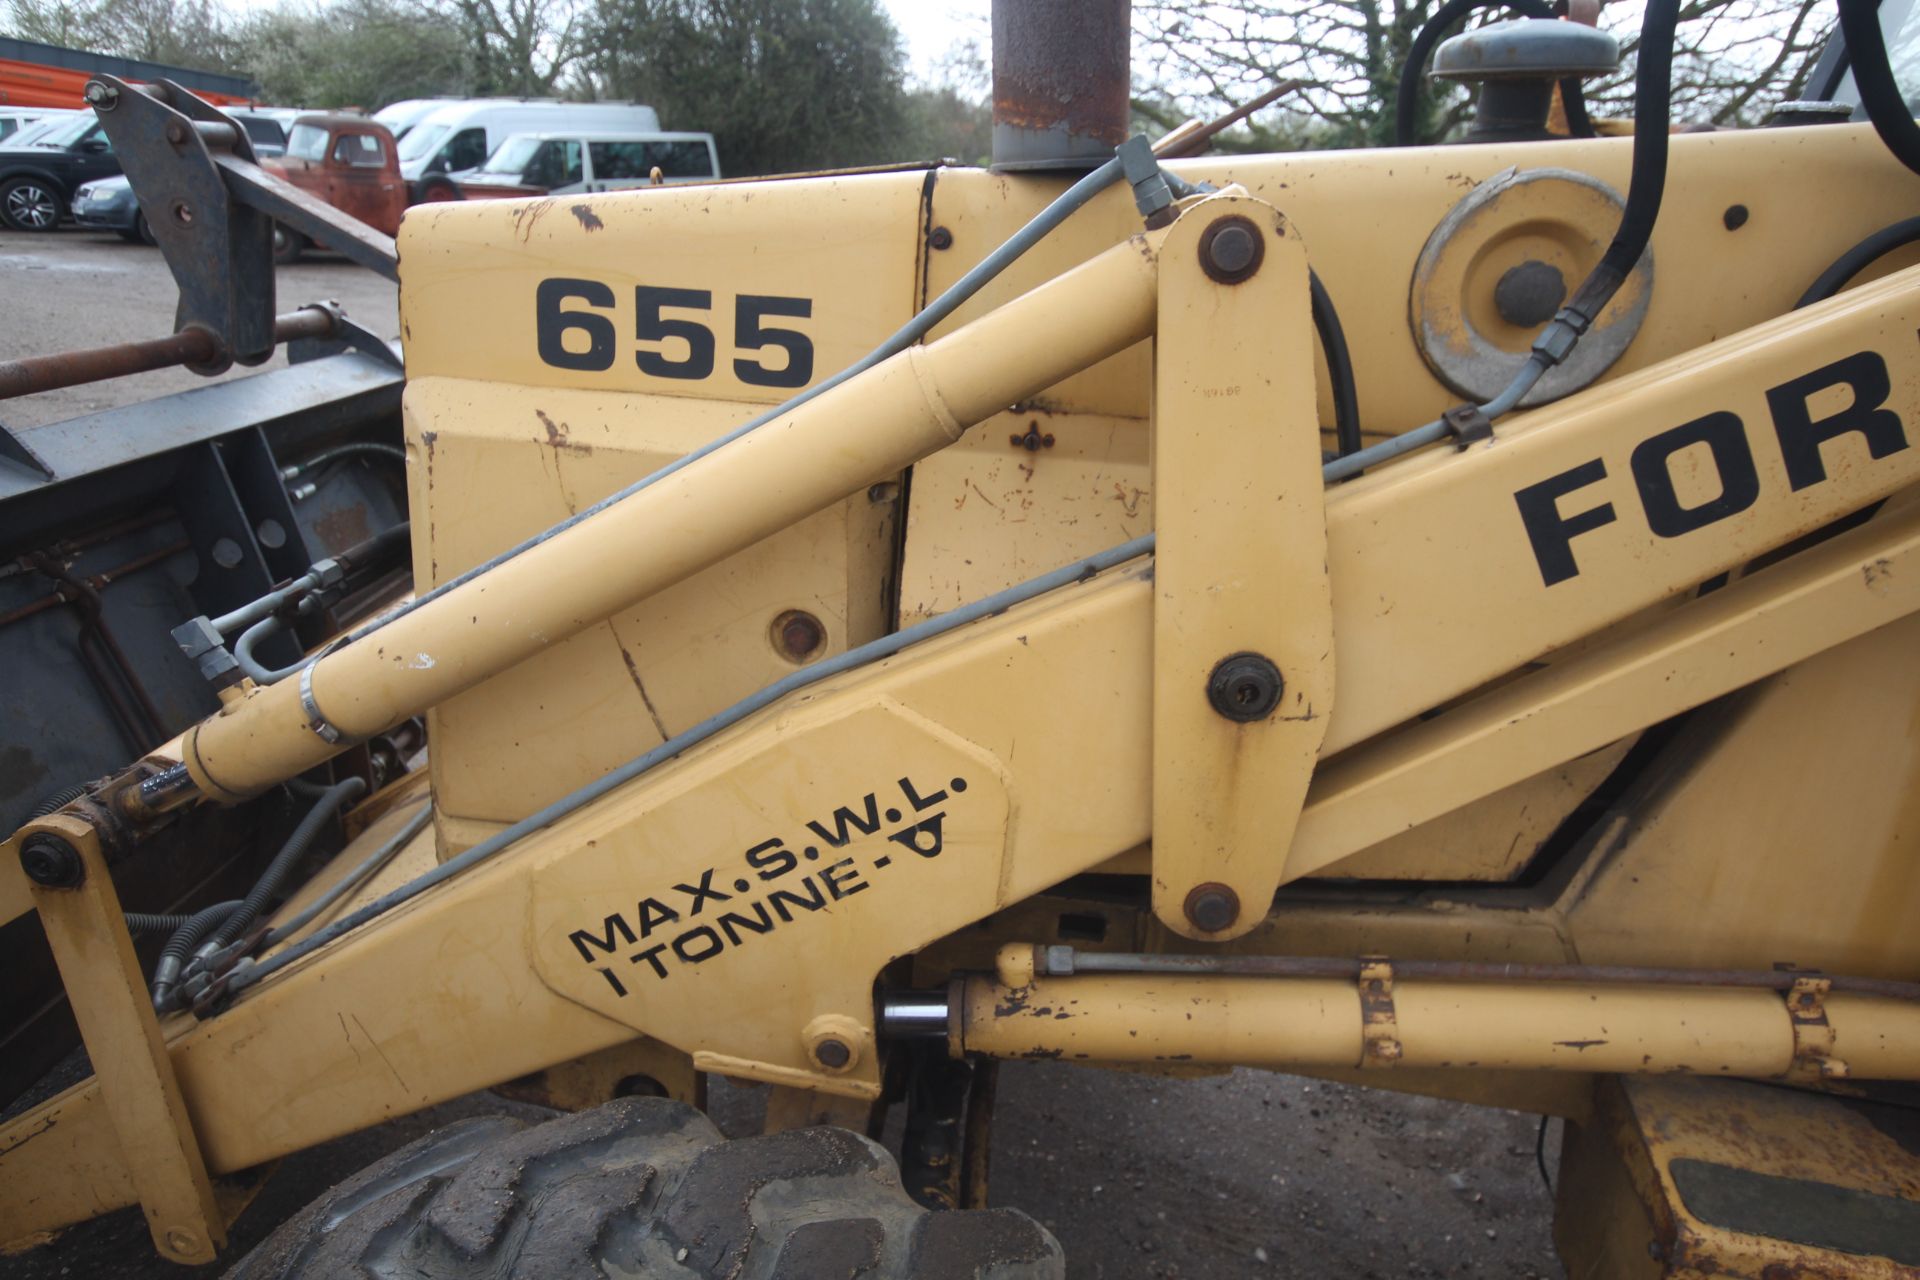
pixel 522 47
pixel 1734 59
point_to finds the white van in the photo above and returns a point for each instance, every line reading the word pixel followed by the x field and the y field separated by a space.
pixel 400 117
pixel 463 135
pixel 564 163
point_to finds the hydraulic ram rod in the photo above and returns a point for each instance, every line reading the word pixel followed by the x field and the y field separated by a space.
pixel 862 431
pixel 1293 1023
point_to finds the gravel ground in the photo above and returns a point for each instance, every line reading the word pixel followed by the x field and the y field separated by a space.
pixel 1245 1174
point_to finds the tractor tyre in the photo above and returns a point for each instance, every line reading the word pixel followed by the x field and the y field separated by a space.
pixel 642 1187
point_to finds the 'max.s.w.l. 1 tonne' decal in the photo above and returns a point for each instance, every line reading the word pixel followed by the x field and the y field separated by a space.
pixel 1800 435
pixel 776 884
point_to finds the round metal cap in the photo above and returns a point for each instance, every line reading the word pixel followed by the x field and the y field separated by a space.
pixel 1527 49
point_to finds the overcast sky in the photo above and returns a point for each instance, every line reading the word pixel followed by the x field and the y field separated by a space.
pixel 932 27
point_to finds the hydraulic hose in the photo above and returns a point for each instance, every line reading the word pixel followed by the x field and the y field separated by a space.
pixel 250 639
pixel 353 879
pixel 1873 76
pixel 353 448
pixel 291 852
pixel 1406 98
pixel 1858 259
pixel 149 922
pixel 1653 107
pixel 912 332
pixel 180 947
pixel 1333 341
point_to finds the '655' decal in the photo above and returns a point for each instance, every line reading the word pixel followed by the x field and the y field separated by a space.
pixel 575 326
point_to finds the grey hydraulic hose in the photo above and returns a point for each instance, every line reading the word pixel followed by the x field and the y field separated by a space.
pixel 329 803
pixel 913 331
pixel 180 945
pixel 372 863
pixel 872 651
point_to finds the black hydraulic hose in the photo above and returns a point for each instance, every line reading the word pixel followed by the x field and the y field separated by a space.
pixel 1406 98
pixel 1333 341
pixel 351 449
pixel 181 945
pixel 57 801
pixel 148 922
pixel 1858 259
pixel 1653 103
pixel 290 853
pixel 1873 76
pixel 1647 183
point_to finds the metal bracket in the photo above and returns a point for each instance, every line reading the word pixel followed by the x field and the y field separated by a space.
pixel 1243 615
pixel 87 932
pixel 212 209
pixel 1380 1033
pixel 1812 1034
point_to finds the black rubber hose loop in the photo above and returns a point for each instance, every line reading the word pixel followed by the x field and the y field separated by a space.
pixel 1333 341
pixel 1873 76
pixel 1406 98
pixel 1647 183
pixel 315 821
pixel 1858 259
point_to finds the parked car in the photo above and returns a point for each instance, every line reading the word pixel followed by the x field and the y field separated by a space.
pixel 461 136
pixel 400 117
pixel 561 163
pixel 352 164
pixel 41 173
pixel 108 204
pixel 14 119
pixel 37 179
pixel 32 132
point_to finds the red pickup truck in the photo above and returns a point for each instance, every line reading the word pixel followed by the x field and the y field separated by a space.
pixel 348 161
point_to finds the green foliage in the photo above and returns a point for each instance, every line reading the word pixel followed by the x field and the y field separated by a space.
pixel 946 123
pixel 356 53
pixel 783 85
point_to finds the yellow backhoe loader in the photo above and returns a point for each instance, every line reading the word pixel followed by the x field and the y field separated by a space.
pixel 1440 618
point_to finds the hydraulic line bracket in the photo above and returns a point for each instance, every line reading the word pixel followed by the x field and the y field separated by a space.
pixel 1243 623
pixel 157 1151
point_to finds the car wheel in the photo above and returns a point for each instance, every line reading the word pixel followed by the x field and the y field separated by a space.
pixel 28 204
pixel 142 231
pixel 287 245
pixel 437 192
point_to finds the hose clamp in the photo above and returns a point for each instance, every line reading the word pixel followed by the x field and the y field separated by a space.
pixel 324 728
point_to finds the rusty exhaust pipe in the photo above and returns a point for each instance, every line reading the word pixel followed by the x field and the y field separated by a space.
pixel 1061 75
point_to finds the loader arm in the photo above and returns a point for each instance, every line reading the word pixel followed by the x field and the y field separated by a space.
pixel 740 894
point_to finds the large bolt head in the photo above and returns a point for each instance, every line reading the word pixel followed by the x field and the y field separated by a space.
pixel 1245 687
pixel 1212 907
pixel 51 862
pixel 1231 249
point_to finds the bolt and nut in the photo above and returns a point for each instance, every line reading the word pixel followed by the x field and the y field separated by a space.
pixel 1245 687
pixel 798 635
pixel 1212 907
pixel 51 862
pixel 1231 249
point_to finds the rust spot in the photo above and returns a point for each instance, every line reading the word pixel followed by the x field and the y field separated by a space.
pixel 1578 1045
pixel 588 218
